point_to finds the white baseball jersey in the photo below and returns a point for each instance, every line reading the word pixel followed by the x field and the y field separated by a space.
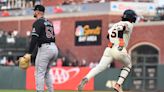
pixel 113 32
pixel 123 30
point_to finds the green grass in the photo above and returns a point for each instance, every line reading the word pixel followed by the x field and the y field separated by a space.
pixel 46 91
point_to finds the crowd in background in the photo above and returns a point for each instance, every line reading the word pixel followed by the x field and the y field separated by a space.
pixel 9 38
pixel 66 2
pixel 14 4
pixel 61 61
pixel 7 5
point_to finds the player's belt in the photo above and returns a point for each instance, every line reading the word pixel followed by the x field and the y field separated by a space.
pixel 48 43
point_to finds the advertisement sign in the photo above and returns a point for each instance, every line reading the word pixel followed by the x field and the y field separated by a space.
pixel 140 7
pixel 64 78
pixel 88 32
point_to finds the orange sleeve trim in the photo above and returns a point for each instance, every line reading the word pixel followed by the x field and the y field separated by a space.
pixel 121 42
pixel 110 44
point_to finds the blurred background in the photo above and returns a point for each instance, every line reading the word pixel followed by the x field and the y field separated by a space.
pixel 79 53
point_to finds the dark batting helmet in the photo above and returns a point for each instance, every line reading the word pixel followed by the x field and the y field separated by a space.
pixel 129 15
pixel 39 8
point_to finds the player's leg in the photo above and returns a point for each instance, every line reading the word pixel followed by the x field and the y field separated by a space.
pixel 40 69
pixel 42 60
pixel 124 71
pixel 48 78
pixel 105 61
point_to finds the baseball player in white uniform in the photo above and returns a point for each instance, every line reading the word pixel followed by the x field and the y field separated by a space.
pixel 118 35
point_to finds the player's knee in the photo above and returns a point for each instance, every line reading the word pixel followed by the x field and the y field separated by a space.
pixel 104 63
pixel 129 65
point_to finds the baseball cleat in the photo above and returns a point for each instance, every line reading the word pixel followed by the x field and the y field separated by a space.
pixel 83 82
pixel 117 87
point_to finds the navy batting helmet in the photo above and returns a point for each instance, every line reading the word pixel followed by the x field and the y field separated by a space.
pixel 129 15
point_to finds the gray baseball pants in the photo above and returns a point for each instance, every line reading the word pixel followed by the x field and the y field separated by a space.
pixel 45 56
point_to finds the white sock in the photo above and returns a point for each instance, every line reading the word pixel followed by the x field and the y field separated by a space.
pixel 124 73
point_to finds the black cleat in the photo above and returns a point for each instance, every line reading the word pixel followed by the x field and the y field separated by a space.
pixel 83 82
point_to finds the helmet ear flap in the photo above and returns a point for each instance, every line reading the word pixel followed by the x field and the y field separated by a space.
pixel 134 19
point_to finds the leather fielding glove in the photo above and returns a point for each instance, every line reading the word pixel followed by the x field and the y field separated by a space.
pixel 24 62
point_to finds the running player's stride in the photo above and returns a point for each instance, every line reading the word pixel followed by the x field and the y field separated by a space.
pixel 118 36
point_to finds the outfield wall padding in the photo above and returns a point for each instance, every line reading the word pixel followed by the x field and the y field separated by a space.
pixel 12 77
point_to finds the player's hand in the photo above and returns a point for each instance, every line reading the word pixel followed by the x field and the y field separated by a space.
pixel 120 48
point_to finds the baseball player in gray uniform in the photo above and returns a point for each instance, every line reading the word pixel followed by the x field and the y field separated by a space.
pixel 43 37
pixel 118 36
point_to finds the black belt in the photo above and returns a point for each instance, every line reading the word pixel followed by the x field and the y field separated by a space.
pixel 48 43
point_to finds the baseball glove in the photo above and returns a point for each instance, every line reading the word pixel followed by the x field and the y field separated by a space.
pixel 24 62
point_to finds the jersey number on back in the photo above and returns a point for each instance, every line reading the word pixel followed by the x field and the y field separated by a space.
pixel 49 32
pixel 113 35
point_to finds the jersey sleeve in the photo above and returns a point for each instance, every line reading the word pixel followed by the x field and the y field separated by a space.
pixel 37 27
pixel 128 27
pixel 32 44
pixel 36 31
